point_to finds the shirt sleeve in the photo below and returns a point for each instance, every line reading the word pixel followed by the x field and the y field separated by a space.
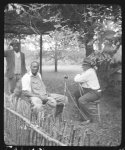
pixel 26 83
pixel 42 81
pixel 82 77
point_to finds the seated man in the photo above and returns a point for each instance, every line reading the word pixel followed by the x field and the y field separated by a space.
pixel 34 88
pixel 91 88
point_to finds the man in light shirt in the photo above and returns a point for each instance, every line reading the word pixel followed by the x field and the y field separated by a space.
pixel 34 88
pixel 91 88
pixel 15 65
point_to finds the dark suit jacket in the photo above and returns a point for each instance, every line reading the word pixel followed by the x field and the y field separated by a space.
pixel 10 59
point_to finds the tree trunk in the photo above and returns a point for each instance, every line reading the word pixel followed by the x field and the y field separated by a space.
pixel 55 65
pixel 19 37
pixel 56 61
pixel 41 54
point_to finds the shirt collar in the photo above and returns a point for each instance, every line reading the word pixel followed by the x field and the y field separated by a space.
pixel 30 73
pixel 17 53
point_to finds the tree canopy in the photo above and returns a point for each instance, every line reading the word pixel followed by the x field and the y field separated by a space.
pixel 96 28
pixel 98 25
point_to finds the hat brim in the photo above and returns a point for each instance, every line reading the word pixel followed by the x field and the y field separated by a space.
pixel 86 64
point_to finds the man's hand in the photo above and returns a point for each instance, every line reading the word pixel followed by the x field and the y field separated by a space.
pixel 45 101
pixel 44 98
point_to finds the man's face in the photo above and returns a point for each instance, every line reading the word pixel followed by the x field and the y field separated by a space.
pixel 16 47
pixel 34 68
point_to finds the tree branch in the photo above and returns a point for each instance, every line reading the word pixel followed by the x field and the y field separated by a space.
pixel 32 27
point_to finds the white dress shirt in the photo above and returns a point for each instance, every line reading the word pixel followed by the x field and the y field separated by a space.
pixel 88 79
pixel 26 84
pixel 17 63
pixel 17 54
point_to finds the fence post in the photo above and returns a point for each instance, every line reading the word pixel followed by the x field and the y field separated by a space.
pixel 88 134
pixel 71 133
pixel 73 136
pixel 79 138
pixel 84 136
pixel 63 131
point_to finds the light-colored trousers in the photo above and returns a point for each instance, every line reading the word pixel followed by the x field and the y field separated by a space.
pixel 53 100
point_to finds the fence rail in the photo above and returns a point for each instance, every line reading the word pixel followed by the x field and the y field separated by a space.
pixel 22 132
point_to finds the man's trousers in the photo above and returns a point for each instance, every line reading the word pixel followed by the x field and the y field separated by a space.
pixel 89 95
pixel 53 100
pixel 11 82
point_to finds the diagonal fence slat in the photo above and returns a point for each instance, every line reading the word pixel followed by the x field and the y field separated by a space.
pixel 22 127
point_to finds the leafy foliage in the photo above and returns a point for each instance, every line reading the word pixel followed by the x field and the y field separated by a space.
pixel 63 44
pixel 90 24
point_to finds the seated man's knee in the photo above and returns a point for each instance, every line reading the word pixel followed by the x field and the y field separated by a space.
pixel 59 98
pixel 63 99
pixel 82 100
pixel 51 102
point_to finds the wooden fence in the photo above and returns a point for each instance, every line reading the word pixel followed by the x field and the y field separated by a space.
pixel 22 132
pixel 46 131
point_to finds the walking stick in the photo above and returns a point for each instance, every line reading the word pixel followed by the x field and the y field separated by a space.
pixel 67 90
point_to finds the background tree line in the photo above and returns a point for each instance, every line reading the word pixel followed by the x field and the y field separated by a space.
pixel 80 30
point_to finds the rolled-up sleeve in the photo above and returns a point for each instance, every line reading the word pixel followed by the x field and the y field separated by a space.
pixel 77 78
pixel 26 83
pixel 81 77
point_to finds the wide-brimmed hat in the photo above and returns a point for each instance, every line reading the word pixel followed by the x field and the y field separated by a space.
pixel 86 62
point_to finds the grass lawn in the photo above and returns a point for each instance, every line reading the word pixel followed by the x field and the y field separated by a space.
pixel 108 132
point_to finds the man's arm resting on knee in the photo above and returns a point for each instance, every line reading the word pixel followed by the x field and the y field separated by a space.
pixel 29 94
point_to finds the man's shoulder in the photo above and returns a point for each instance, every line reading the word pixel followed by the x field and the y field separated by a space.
pixel 26 75
pixel 9 51
pixel 91 70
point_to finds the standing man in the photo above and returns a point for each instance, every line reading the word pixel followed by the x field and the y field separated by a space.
pixel 15 65
pixel 91 88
